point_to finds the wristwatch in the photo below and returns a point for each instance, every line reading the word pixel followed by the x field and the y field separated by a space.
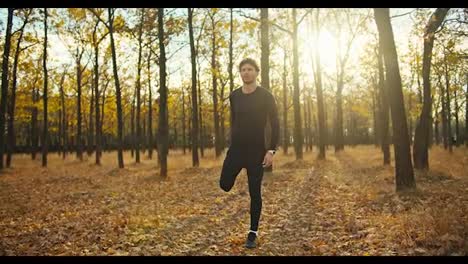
pixel 272 151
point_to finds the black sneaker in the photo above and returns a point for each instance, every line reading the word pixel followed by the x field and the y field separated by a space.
pixel 250 242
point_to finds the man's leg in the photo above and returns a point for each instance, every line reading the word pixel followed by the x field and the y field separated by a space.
pixel 255 175
pixel 231 168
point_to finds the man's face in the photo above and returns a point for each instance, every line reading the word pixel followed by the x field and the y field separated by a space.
pixel 248 73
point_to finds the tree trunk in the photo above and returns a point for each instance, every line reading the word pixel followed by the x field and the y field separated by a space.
pixel 91 122
pixel 64 118
pixel 447 97
pixel 265 49
pixel 175 138
pixel 117 90
pixel 384 112
pixel 421 137
pixel 102 114
pixel 200 117
pixel 466 112
pixel 144 136
pixel 339 144
pixel 79 142
pixel 150 111
pixel 11 111
pixel 265 68
pixel 138 88
pixel 320 106
pixel 443 112
pixel 163 129
pixel 298 136
pixel 374 119
pixel 306 123
pixel 183 122
pixel 96 101
pixel 44 97
pixel 457 126
pixel 132 125
pixel 285 108
pixel 3 99
pixel 309 117
pixel 214 70
pixel 403 167
pixel 230 67
pixel 34 125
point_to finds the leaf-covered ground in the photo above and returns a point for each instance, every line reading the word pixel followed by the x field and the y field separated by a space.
pixel 345 205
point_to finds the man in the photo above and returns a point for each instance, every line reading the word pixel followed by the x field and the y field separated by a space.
pixel 250 107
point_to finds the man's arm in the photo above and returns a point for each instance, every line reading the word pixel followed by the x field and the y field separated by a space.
pixel 231 106
pixel 274 122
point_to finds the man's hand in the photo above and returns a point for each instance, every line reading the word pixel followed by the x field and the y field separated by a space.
pixel 268 160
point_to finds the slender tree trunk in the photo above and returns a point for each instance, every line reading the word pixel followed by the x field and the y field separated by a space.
pixel 403 167
pixel 320 106
pixel 132 125
pixel 222 118
pixel 163 129
pixel 298 136
pixel 230 67
pixel 60 147
pixel 34 125
pixel 91 122
pixel 215 90
pixel 410 121
pixel 265 49
pixel 44 96
pixel 466 112
pixel 150 111
pixel 189 123
pixel 443 113
pixel 103 99
pixel 143 130
pixel 138 88
pixel 79 142
pixel 265 68
pixel 183 122
pixel 377 113
pixel 64 118
pixel 309 108
pixel 374 119
pixel 339 145
pixel 457 126
pixel 4 94
pixel 117 90
pixel 285 108
pixel 436 122
pixel 96 101
pixel 306 124
pixel 384 112
pixel 175 139
pixel 449 111
pixel 421 137
pixel 200 117
pixel 11 111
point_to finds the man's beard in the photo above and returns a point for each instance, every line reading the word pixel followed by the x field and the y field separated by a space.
pixel 249 82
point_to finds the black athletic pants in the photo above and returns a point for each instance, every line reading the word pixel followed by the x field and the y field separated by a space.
pixel 250 159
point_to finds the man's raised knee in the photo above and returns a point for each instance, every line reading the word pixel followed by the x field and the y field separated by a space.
pixel 225 186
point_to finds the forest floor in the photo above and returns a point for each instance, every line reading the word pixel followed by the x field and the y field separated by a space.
pixel 344 205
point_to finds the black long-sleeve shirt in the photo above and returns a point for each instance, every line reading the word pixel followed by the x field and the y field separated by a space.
pixel 249 114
